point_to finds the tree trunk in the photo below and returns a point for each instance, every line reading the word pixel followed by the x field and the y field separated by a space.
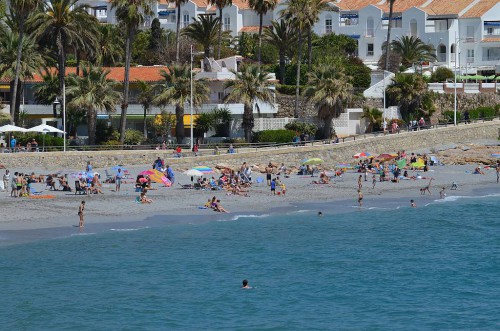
pixel 128 55
pixel 179 123
pixel 388 46
pixel 78 60
pixel 178 29
pixel 261 17
pixel 309 49
pixel 220 31
pixel 327 126
pixel 61 58
pixel 297 85
pixel 282 67
pixel 145 124
pixel 91 122
pixel 13 109
pixel 248 122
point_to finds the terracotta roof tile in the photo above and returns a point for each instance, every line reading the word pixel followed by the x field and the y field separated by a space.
pixel 480 9
pixel 201 3
pixel 146 73
pixel 254 28
pixel 353 4
pixel 241 4
pixel 446 7
pixel 400 6
pixel 491 40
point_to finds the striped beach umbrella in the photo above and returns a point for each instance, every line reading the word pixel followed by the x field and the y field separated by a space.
pixel 361 155
pixel 204 169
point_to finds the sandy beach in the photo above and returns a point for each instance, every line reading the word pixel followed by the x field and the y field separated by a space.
pixel 169 203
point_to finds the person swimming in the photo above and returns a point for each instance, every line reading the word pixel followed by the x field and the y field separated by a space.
pixel 245 284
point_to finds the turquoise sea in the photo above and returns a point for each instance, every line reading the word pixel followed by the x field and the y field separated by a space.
pixel 436 267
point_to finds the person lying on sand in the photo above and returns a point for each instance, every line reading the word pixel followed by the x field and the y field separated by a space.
pixel 323 179
pixel 478 171
pixel 219 208
pixel 143 198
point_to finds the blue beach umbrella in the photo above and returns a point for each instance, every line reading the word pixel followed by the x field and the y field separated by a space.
pixel 496 155
pixel 115 168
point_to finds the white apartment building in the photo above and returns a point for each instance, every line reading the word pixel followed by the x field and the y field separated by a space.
pixel 470 28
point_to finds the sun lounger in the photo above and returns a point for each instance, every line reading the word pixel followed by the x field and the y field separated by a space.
pixel 34 192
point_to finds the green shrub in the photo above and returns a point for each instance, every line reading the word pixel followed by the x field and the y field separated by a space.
pixel 276 136
pixel 441 75
pixel 487 112
pixel 449 116
pixel 50 140
pixel 300 127
pixel 497 108
pixel 288 89
pixel 132 137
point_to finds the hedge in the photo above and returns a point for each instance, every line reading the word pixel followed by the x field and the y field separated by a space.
pixel 277 136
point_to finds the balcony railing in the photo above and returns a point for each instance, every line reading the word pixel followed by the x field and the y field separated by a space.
pixel 491 58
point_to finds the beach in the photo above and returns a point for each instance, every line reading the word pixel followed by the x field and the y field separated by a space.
pixel 121 207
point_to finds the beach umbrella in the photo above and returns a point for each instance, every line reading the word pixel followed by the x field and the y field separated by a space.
pixel 204 169
pixel 147 172
pixel 11 128
pixel 344 166
pixel 495 154
pixel 115 168
pixel 361 155
pixel 159 177
pixel 193 172
pixel 312 161
pixel 44 128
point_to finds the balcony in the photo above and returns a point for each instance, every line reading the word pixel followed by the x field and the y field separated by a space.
pixel 491 58
pixel 370 33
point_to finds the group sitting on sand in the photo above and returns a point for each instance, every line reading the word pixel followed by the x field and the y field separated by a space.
pixel 215 205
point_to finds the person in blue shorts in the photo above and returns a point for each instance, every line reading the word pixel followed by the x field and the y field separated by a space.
pixel 273 186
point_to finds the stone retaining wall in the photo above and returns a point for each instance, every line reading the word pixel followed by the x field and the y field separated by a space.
pixel 332 154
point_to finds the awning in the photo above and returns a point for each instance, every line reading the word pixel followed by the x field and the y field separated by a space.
pixel 354 36
pixel 187 120
pixel 100 7
pixel 492 23
pixel 166 12
pixel 102 116
pixel 394 18
pixel 349 15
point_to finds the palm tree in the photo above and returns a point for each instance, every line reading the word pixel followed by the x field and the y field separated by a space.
pixel 328 88
pixel 176 91
pixel 220 5
pixel 47 92
pixel 203 123
pixel 407 91
pixel 93 92
pixel 222 121
pixel 110 47
pixel 312 16
pixel 64 24
pixel 178 4
pixel 283 36
pixel 374 117
pixel 412 50
pixel 249 86
pixel 21 9
pixel 296 10
pixel 204 31
pixel 31 60
pixel 145 98
pixel 261 7
pixel 388 41
pixel 131 14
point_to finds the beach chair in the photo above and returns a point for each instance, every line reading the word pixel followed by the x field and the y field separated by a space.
pixel 454 186
pixel 78 188
pixel 109 177
pixel 34 192
pixel 259 180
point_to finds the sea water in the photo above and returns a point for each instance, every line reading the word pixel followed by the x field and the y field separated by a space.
pixel 434 267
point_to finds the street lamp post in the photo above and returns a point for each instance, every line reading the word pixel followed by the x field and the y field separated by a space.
pixel 64 114
pixel 191 100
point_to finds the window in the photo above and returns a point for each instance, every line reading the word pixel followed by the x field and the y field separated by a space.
pixel 101 13
pixel 413 28
pixel 397 23
pixel 369 50
pixel 328 25
pixel 370 30
pixel 470 56
pixel 470 33
pixel 227 23
pixel 185 20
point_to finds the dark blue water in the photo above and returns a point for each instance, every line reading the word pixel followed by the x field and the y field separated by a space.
pixel 436 267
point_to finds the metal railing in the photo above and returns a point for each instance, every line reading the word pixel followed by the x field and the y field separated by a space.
pixel 224 148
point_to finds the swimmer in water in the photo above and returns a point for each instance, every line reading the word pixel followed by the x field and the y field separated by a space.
pixel 245 284
pixel 320 214
pixel 413 204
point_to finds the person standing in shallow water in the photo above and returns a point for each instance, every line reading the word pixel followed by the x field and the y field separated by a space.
pixel 80 213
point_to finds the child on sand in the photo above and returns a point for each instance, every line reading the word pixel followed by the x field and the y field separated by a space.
pixel 283 189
